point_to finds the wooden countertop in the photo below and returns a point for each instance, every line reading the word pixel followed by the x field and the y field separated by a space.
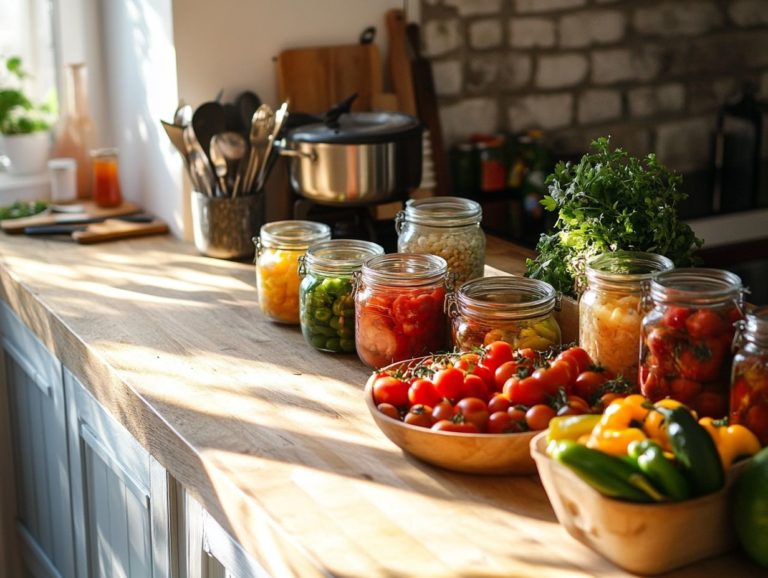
pixel 271 436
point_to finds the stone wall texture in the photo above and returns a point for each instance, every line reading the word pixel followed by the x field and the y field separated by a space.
pixel 652 73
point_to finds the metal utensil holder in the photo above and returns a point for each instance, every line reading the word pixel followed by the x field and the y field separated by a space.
pixel 224 227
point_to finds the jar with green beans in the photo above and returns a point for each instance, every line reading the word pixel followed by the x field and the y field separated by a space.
pixel 326 302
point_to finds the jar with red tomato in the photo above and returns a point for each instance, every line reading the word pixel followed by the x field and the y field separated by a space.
pixel 749 378
pixel 685 352
pixel 399 307
pixel 517 310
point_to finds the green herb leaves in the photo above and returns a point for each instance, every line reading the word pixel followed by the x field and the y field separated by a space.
pixel 606 202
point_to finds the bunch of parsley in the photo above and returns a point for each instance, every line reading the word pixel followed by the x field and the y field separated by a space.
pixel 607 202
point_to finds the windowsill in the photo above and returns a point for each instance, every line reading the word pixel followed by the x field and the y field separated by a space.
pixel 731 228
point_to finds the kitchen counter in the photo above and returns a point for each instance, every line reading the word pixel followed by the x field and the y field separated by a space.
pixel 272 437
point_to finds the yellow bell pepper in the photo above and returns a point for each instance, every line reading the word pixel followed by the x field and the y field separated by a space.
pixel 654 426
pixel 731 441
pixel 615 431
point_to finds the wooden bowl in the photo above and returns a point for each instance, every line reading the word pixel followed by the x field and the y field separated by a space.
pixel 641 538
pixel 485 454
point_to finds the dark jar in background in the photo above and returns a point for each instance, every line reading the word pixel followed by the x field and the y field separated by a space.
pixel 749 377
pixel 685 352
pixel 106 179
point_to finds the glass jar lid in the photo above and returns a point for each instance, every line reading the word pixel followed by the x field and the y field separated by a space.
pixel 343 256
pixel 506 298
pixel 104 153
pixel 696 286
pixel 292 234
pixel 404 270
pixel 625 270
pixel 442 212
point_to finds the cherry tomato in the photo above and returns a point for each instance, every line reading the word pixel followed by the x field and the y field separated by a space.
pixel 571 365
pixel 526 391
pixel 389 389
pixel 701 362
pixel 499 402
pixel 504 372
pixel 473 410
pixel 474 386
pixel 683 389
pixel 675 317
pixel 655 386
pixel 574 405
pixel 389 410
pixel 517 413
pixel 604 401
pixel 660 342
pixel 484 372
pixel 442 410
pixel 419 415
pixel 502 422
pixel 448 425
pixel 588 384
pixel 497 353
pixel 757 421
pixel 710 404
pixel 424 392
pixel 553 377
pixel 449 383
pixel 538 416
pixel 705 323
pixel 579 355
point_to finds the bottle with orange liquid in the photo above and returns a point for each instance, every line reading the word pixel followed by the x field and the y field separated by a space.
pixel 106 182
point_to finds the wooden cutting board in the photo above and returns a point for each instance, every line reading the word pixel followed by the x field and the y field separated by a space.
pixel 90 211
pixel 316 78
pixel 114 229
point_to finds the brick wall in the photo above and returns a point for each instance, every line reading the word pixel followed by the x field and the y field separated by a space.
pixel 651 73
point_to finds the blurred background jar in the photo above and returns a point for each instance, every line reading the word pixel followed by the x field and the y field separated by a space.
pixel 106 178
pixel 685 351
pixel 448 227
pixel 517 310
pixel 749 377
pixel 399 308
pixel 326 300
pixel 278 248
pixel 611 309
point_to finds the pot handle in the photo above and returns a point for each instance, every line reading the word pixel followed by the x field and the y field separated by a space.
pixel 286 152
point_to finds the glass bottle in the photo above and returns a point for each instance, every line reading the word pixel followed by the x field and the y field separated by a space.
pixel 399 307
pixel 278 248
pixel 514 309
pixel 611 309
pixel 685 351
pixel 106 178
pixel 749 376
pixel 76 135
pixel 326 300
pixel 448 227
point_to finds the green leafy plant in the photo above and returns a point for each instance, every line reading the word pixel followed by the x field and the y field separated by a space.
pixel 18 114
pixel 609 201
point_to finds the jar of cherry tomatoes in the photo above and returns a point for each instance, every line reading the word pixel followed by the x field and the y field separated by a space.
pixel 612 309
pixel 749 377
pixel 278 248
pixel 517 310
pixel 326 301
pixel 399 307
pixel 448 227
pixel 685 351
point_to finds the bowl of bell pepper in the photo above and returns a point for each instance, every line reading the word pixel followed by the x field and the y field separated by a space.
pixel 643 477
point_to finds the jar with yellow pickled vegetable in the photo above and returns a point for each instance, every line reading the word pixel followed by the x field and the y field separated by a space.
pixel 611 309
pixel 278 248
pixel 514 309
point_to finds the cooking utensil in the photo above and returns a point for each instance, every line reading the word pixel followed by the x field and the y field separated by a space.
pixel 281 116
pixel 246 104
pixel 368 158
pixel 90 211
pixel 209 119
pixel 219 164
pixel 199 169
pixel 176 136
pixel 262 125
pixel 183 115
pixel 234 148
pixel 82 225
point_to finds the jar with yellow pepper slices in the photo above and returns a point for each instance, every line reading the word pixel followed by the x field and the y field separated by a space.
pixel 514 309
pixel 278 248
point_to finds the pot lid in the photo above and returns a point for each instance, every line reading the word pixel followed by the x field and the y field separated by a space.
pixel 359 128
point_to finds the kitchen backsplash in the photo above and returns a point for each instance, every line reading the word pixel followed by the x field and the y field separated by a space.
pixel 653 74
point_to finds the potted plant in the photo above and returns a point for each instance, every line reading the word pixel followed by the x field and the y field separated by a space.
pixel 24 125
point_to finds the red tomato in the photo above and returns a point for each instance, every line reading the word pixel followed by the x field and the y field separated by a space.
pixel 705 323
pixel 389 389
pixel 424 392
pixel 497 353
pixel 554 377
pixel 377 343
pixel 589 383
pixel 574 406
pixel 448 425
pixel 449 383
pixel 470 363
pixel 538 416
pixel 517 413
pixel 660 342
pixel 571 365
pixel 499 402
pixel 474 386
pixel 579 356
pixel 526 391
pixel 389 410
pixel 674 317
pixel 419 415
pixel 710 404
pixel 757 421
pixel 504 372
pixel 473 410
pixel 502 422
pixel 684 390
pixel 485 372
pixel 604 401
pixel 442 410
pixel 701 362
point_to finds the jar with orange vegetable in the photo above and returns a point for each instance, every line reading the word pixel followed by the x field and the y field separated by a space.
pixel 749 377
pixel 685 351
pixel 278 248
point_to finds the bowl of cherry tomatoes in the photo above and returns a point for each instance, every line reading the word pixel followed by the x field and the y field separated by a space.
pixel 476 412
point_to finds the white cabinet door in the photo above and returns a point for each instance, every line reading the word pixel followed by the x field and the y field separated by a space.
pixel 32 384
pixel 119 498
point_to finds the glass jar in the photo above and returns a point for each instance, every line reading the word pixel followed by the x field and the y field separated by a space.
pixel 278 248
pixel 749 377
pixel 326 301
pixel 448 227
pixel 514 309
pixel 106 181
pixel 399 307
pixel 611 310
pixel 685 351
